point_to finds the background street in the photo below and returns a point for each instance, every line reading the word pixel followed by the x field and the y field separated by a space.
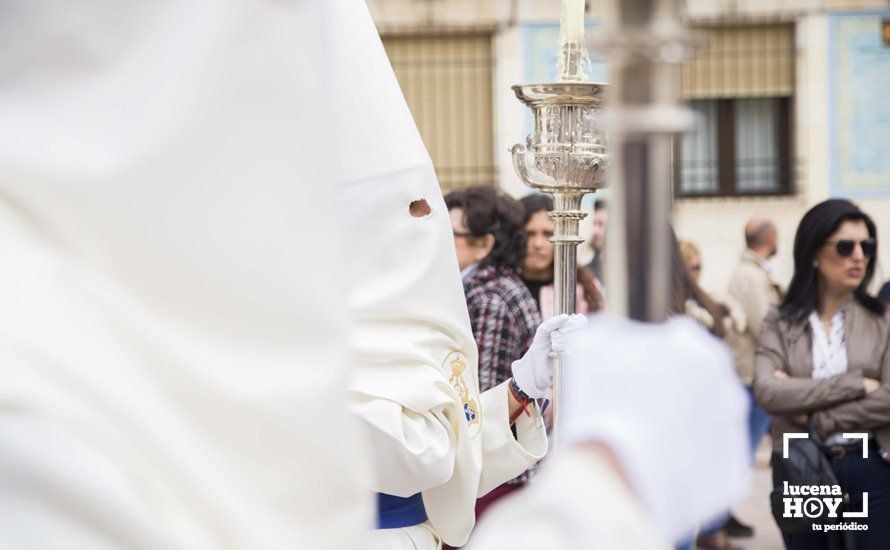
pixel 754 510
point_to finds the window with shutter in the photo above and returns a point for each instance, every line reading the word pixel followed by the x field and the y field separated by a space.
pixel 447 82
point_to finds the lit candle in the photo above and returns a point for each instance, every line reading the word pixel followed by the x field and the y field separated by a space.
pixel 572 21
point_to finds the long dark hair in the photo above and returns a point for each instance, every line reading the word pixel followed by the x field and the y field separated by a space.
pixel 488 211
pixel 534 203
pixel 819 223
pixel 685 288
pixel 539 202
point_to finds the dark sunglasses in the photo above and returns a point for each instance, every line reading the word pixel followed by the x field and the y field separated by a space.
pixel 845 247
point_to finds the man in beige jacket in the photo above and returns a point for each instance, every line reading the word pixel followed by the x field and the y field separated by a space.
pixel 754 289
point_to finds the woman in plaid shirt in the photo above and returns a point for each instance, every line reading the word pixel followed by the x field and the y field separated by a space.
pixel 490 244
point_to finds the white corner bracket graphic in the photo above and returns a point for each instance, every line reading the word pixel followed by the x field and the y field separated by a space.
pixel 856 435
pixel 864 512
pixel 791 435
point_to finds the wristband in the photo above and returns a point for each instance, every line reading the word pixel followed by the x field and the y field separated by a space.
pixel 520 396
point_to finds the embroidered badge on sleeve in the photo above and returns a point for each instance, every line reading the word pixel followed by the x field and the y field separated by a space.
pixel 467 388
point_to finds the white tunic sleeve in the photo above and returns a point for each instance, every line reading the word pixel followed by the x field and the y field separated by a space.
pixel 412 440
pixel 418 447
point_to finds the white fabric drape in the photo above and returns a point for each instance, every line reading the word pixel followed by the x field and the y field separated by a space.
pixel 171 324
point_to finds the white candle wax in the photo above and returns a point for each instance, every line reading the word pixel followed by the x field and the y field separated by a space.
pixel 572 21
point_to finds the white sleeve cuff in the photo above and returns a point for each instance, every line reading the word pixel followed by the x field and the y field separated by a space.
pixel 506 456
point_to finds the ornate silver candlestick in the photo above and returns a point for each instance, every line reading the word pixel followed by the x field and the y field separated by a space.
pixel 566 157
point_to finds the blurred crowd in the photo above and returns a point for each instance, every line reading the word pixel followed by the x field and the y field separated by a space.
pixel 822 326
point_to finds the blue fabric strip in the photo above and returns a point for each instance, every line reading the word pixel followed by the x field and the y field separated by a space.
pixel 394 512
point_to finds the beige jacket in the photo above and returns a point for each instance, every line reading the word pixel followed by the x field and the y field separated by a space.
pixel 838 403
pixel 752 288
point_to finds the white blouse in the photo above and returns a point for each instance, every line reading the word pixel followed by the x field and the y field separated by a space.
pixel 829 356
pixel 829 349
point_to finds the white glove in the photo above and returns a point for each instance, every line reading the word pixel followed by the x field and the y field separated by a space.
pixel 533 373
pixel 666 400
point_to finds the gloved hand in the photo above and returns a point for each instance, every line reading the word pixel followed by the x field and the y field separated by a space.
pixel 533 373
pixel 665 399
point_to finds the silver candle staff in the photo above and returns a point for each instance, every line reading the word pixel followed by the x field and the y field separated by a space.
pixel 566 157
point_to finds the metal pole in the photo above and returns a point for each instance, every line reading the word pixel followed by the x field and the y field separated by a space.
pixel 566 216
pixel 645 41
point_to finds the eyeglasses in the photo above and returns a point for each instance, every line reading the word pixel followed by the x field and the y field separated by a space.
pixel 462 233
pixel 845 247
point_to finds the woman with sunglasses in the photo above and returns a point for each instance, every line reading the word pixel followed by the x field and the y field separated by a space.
pixel 823 362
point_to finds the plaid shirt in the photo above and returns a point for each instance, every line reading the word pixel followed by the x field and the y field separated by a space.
pixel 504 317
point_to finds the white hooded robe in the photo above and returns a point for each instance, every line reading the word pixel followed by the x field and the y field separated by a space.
pixel 416 386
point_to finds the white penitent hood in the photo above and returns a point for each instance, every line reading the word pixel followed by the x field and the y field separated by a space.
pixel 171 293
